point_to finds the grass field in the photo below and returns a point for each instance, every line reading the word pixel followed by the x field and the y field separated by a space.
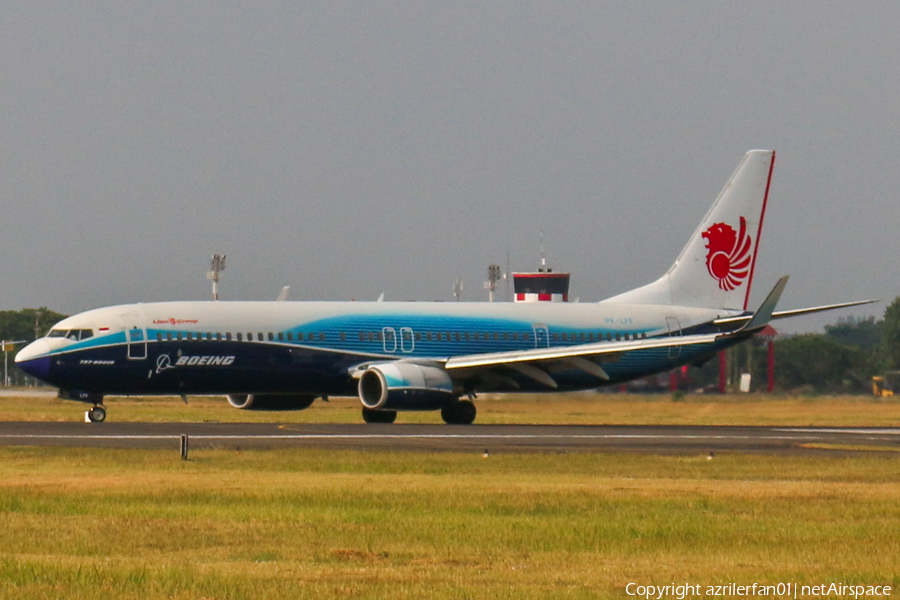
pixel 294 523
pixel 580 408
pixel 317 524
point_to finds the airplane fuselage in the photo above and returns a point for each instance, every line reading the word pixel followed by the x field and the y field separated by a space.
pixel 315 347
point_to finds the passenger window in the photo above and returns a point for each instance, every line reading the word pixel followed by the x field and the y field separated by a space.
pixel 343 337
pixel 321 336
pixel 218 336
pixel 290 336
pixel 608 336
pixel 240 337
pixel 618 336
pixel 159 337
pixel 168 336
pixel 227 336
pixel 271 336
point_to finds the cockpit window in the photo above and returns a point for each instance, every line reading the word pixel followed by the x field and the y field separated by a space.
pixel 71 334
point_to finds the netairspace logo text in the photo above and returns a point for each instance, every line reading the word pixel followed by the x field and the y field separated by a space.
pixel 785 590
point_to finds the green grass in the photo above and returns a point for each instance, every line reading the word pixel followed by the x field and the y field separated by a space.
pixel 578 408
pixel 80 523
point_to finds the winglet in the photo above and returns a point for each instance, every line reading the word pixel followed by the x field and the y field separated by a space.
pixel 763 315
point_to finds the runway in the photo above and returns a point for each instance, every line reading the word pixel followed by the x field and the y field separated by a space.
pixel 657 439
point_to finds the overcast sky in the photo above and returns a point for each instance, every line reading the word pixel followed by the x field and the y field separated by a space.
pixel 348 149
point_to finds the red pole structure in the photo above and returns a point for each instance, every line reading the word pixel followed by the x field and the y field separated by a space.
pixel 673 382
pixel 771 365
pixel 722 367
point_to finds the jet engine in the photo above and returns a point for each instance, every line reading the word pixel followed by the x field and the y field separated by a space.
pixel 405 386
pixel 270 401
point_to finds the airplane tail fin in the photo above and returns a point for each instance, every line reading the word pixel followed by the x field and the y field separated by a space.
pixel 715 268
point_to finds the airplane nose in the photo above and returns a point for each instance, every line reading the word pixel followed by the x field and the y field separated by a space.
pixel 34 359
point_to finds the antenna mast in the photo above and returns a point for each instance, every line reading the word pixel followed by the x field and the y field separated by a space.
pixel 217 264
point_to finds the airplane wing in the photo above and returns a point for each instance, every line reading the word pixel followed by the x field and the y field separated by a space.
pixel 586 357
pixel 589 357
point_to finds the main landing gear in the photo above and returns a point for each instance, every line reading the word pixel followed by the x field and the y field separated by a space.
pixel 379 416
pixel 458 412
pixel 461 412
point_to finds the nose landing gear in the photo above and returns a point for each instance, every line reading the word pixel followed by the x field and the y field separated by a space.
pixel 96 415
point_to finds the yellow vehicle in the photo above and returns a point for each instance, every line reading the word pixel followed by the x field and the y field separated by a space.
pixel 885 386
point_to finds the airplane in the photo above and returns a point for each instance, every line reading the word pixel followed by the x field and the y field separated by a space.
pixel 420 356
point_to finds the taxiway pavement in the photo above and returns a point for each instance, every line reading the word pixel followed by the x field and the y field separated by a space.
pixel 659 439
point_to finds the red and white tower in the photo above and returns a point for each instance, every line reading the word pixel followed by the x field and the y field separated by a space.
pixel 543 285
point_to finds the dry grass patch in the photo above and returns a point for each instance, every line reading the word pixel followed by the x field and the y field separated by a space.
pixel 311 523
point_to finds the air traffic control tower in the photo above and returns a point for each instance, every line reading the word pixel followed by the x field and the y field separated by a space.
pixel 541 286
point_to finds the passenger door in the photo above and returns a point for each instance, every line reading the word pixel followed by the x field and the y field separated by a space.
pixel 541 335
pixel 135 336
pixel 674 331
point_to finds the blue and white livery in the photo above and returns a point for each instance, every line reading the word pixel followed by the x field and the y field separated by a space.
pixel 401 356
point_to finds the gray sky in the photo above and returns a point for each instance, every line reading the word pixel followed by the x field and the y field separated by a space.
pixel 348 149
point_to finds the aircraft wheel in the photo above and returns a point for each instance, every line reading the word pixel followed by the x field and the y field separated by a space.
pixel 461 412
pixel 379 416
pixel 97 414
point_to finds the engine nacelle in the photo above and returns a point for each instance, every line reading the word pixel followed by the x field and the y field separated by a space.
pixel 270 401
pixel 405 386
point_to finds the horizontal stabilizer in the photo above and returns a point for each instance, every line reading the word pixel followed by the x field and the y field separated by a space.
pixel 797 312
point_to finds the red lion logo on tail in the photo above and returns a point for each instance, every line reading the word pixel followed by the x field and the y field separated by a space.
pixel 728 259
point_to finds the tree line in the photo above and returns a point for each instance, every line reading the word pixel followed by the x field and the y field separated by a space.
pixel 24 325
